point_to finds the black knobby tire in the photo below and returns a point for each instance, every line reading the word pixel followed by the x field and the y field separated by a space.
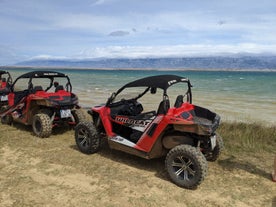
pixel 214 155
pixel 78 116
pixel 87 138
pixel 186 166
pixel 7 119
pixel 42 126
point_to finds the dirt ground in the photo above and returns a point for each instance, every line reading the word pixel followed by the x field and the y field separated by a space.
pixel 52 172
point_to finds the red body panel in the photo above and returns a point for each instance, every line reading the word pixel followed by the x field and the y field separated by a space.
pixel 25 103
pixel 146 142
pixel 60 93
pixel 11 99
pixel 3 85
pixel 104 113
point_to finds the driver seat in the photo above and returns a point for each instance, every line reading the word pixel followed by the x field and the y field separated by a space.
pixel 59 88
pixel 178 101
pixel 38 88
pixel 163 107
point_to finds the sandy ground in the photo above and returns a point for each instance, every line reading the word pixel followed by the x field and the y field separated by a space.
pixel 52 172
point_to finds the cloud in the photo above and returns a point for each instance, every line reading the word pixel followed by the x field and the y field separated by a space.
pixel 119 33
pixel 176 50
pixel 65 27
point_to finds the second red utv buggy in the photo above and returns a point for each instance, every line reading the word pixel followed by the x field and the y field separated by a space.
pixel 5 84
pixel 42 103
pixel 183 132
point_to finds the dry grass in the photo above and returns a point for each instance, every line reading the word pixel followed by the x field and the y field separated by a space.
pixel 248 137
pixel 52 172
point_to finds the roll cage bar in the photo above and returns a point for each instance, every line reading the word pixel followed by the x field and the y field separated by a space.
pixel 43 74
pixel 9 80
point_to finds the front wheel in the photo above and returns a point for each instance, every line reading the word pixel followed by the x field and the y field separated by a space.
pixel 186 166
pixel 87 138
pixel 42 126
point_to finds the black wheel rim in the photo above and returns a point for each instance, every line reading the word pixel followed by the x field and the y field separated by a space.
pixel 183 168
pixel 82 138
pixel 38 126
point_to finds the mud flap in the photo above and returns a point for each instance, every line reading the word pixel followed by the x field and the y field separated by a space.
pixel 213 140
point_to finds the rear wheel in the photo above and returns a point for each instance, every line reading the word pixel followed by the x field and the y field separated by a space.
pixel 87 138
pixel 7 119
pixel 186 166
pixel 42 126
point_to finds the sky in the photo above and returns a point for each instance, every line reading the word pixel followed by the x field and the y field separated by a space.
pixel 79 29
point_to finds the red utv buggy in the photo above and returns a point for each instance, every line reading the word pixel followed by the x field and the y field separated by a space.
pixel 184 133
pixel 44 105
pixel 5 83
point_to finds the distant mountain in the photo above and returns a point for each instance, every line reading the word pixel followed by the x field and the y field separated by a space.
pixel 217 62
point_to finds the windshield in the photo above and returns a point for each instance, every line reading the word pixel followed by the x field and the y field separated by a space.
pixel 130 93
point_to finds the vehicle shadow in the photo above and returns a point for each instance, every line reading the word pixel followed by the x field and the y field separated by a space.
pixel 22 127
pixel 156 165
pixel 55 131
pixel 232 163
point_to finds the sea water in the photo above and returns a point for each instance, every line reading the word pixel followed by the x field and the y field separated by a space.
pixel 235 95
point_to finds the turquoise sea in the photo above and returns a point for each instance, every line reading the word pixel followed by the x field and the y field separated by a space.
pixel 235 95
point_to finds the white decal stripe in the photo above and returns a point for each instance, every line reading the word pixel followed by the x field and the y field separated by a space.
pixel 123 141
pixel 140 129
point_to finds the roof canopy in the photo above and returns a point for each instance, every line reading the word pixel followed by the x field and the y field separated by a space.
pixel 42 74
pixel 159 81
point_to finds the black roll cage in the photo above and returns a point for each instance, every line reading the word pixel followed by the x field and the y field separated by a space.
pixel 44 74
pixel 152 83
pixel 9 80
